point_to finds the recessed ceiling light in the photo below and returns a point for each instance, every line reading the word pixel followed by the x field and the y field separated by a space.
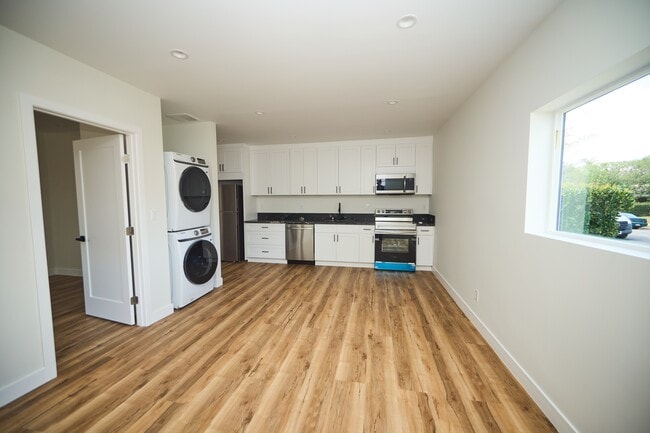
pixel 259 113
pixel 179 54
pixel 392 102
pixel 407 21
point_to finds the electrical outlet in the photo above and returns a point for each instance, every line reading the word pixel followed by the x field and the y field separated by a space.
pixel 476 295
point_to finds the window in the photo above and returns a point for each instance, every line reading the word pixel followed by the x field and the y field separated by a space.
pixel 588 144
pixel 605 165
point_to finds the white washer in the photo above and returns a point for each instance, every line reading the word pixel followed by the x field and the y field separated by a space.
pixel 193 262
pixel 188 191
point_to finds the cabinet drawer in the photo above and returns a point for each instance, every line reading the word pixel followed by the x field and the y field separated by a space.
pixel 260 227
pixel 265 239
pixel 265 252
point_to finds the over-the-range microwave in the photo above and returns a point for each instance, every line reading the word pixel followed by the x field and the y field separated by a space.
pixel 395 184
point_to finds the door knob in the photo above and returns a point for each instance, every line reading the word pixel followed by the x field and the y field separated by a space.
pixel 80 239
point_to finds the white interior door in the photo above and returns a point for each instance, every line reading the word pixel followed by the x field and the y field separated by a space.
pixel 102 202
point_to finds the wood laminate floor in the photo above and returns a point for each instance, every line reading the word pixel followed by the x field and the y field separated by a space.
pixel 280 348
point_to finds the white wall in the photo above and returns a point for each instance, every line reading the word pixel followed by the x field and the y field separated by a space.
pixel 200 139
pixel 33 72
pixel 575 319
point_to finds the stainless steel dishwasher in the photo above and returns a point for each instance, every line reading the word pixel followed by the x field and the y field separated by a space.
pixel 300 242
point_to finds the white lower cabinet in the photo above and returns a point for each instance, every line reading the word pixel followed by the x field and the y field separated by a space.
pixel 339 244
pixel 424 248
pixel 265 242
pixel 367 244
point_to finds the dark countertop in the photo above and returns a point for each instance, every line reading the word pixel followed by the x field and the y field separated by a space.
pixel 333 218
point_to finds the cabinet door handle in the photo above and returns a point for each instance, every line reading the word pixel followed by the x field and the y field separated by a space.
pixel 271 190
pixel 397 160
pixel 265 238
pixel 416 189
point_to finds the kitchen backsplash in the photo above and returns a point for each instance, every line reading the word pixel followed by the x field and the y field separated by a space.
pixel 349 204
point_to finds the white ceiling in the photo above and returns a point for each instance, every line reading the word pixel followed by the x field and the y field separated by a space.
pixel 320 70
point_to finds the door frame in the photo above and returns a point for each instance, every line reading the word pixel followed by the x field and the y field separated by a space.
pixel 133 139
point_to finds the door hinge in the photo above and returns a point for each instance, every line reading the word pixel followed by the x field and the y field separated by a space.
pixel 126 159
pixel 130 231
pixel 134 300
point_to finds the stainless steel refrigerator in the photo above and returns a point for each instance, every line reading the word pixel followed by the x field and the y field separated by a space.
pixel 231 218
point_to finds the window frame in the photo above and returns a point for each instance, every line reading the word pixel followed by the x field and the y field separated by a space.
pixel 546 149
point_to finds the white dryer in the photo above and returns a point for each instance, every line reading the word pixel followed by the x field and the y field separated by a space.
pixel 188 191
pixel 193 262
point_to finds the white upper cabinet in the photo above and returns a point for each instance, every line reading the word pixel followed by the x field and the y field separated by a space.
pixel 230 161
pixel 367 169
pixel 303 169
pixel 339 169
pixel 424 169
pixel 335 168
pixel 396 155
pixel 349 169
pixel 269 171
pixel 327 158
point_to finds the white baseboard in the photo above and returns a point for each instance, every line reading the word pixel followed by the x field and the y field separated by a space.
pixel 72 272
pixel 262 260
pixel 158 314
pixel 346 264
pixel 554 414
pixel 28 383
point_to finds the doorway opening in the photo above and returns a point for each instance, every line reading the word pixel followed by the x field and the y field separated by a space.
pixel 77 172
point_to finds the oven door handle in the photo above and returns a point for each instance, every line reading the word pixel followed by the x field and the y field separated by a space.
pixel 396 232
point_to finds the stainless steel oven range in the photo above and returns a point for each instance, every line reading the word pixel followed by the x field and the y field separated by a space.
pixel 395 240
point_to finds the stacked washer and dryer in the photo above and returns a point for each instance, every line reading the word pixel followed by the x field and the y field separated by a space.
pixel 193 255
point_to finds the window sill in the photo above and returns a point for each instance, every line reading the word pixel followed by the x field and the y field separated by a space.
pixel 618 246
